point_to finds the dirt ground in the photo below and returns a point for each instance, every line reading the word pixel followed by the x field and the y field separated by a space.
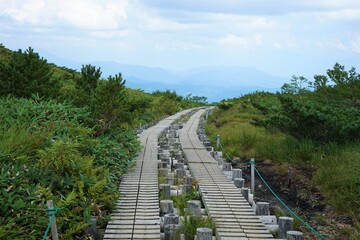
pixel 302 197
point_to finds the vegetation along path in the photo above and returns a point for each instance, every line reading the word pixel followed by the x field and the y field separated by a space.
pixel 137 212
pixel 232 214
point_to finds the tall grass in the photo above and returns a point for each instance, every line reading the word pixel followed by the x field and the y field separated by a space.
pixel 339 178
pixel 191 223
pixel 337 167
pixel 242 139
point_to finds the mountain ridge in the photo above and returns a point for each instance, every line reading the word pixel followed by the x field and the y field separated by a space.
pixel 214 82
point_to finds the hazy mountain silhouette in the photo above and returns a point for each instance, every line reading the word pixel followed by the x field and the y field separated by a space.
pixel 214 82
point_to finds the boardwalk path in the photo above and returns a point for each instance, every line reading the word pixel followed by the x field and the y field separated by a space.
pixel 233 216
pixel 137 212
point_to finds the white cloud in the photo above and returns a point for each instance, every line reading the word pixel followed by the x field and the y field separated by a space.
pixel 355 44
pixel 109 34
pixel 331 43
pixel 190 32
pixel 347 14
pixel 157 24
pixel 91 14
pixel 248 23
pixel 248 42
pixel 31 11
pixel 88 14
pixel 250 7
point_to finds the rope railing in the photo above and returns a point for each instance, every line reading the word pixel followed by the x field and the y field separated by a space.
pixel 227 156
pixel 275 195
pixel 288 208
pixel 51 212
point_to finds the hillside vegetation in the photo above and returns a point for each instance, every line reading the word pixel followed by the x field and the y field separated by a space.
pixel 67 136
pixel 312 127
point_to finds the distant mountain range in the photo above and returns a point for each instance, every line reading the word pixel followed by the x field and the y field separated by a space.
pixel 215 82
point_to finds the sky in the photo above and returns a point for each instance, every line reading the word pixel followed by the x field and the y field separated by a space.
pixel 280 37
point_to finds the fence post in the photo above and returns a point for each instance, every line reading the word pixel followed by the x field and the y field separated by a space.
pixel 54 233
pixel 252 164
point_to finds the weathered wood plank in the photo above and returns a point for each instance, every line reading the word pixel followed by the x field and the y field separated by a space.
pixel 233 216
pixel 136 215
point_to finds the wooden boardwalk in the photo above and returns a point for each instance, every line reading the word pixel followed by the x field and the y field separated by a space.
pixel 233 216
pixel 137 213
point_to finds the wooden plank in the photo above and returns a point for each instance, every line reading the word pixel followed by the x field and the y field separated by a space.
pixel 136 215
pixel 233 216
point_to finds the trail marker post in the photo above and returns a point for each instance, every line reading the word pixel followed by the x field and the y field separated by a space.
pixel 252 164
pixel 54 233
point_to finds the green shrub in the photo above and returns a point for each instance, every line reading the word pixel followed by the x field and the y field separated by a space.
pixel 191 223
pixel 48 150
pixel 338 177
pixel 180 201
pixel 25 73
pixel 336 162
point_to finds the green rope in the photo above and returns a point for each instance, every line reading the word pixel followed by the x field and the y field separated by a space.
pixel 226 155
pixel 54 210
pixel 294 214
pixel 229 158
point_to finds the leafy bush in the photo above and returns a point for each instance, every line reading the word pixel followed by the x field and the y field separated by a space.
pixel 330 114
pixel 307 119
pixel 318 130
pixel 48 151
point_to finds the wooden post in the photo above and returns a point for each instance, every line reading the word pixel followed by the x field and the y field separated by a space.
pixel 187 184
pixel 220 161
pixel 188 180
pixel 165 190
pixel 285 224
pixel 262 209
pixel 204 234
pixel 194 207
pixel 289 176
pixel 92 230
pixel 171 218
pixel 252 164
pixel 162 164
pixel 245 193
pixel 239 182
pixel 294 235
pixel 226 167
pixel 178 156
pixel 236 173
pixel 171 231
pixel 54 233
pixel 179 165
pixel 166 206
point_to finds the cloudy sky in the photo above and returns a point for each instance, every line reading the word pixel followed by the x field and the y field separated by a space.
pixel 281 37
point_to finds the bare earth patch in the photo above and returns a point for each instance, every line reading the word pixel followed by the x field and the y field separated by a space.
pixel 302 197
